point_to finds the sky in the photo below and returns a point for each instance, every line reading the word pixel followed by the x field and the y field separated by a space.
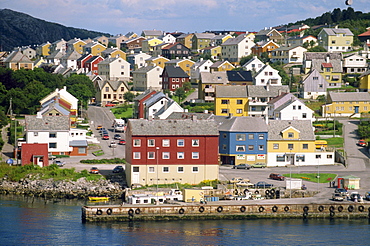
pixel 122 16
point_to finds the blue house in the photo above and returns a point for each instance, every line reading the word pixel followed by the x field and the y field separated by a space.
pixel 242 140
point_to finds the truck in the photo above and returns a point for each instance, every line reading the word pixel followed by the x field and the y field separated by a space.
pixel 119 125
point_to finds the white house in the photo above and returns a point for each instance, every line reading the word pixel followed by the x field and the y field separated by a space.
pixel 69 60
pixel 288 107
pixel 114 68
pixel 267 76
pixel 313 85
pixel 147 77
pixel 199 67
pixel 160 106
pixel 168 38
pixel 138 60
pixel 234 49
pixel 64 95
pixel 253 64
pixel 354 64
pixel 288 54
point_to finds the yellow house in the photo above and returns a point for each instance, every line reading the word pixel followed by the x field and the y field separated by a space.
pixel 336 39
pixel 43 49
pixel 231 99
pixel 147 46
pixel 113 52
pixel 185 64
pixel 157 61
pixel 365 82
pixel 346 104
pixel 221 66
pixel 213 51
pixel 292 142
pixel 331 75
pixel 76 44
pixel 185 39
pixel 94 48
pixel 208 83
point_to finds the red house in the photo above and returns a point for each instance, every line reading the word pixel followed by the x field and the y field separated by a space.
pixel 82 60
pixel 91 65
pixel 35 153
pixel 173 78
pixel 139 103
pixel 171 151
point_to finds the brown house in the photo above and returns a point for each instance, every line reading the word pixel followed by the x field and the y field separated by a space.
pixel 173 78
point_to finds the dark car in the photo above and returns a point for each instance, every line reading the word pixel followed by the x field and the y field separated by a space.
pixel 242 166
pixel 341 191
pixel 122 142
pixel 276 176
pixel 117 136
pixel 118 169
pixel 263 184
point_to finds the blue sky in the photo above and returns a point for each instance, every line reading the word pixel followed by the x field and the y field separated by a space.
pixel 122 16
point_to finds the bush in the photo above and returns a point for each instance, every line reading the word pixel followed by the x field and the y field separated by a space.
pixel 104 161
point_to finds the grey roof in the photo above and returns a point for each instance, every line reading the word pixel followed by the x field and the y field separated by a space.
pixel 231 91
pixel 142 95
pixel 234 41
pixel 17 56
pixel 264 31
pixel 266 91
pixel 47 123
pixel 318 58
pixel 71 55
pixel 152 32
pixel 187 115
pixel 204 35
pixel 142 127
pixel 50 105
pixel 214 78
pixel 154 98
pixel 243 124
pixel 275 128
pixel 323 55
pixel 349 96
pixel 335 31
pixel 143 69
pixel 78 143
pixel 175 72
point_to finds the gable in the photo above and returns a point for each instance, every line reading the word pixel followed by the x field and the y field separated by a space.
pixel 290 133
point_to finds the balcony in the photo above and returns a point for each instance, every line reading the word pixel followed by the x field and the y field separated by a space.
pixel 209 90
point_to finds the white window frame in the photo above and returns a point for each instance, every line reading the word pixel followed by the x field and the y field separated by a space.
pixel 136 155
pixel 165 143
pixel 137 143
pixel 195 144
pixel 151 142
pixel 180 155
pixel 151 153
pixel 165 155
pixel 194 155
pixel 179 141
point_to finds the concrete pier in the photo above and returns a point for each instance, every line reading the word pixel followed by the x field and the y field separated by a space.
pixel 221 210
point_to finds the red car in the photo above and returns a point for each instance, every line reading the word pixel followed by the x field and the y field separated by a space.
pixel 109 104
pixel 122 142
pixel 362 143
pixel 105 137
pixel 94 170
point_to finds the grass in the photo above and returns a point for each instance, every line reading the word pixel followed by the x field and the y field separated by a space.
pixel 16 173
pixel 98 153
pixel 335 142
pixel 312 177
pixel 123 112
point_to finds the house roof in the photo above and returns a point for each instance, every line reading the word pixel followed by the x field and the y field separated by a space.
pixel 367 33
pixel 318 58
pixel 239 75
pixel 219 63
pixel 84 56
pixel 187 115
pixel 51 105
pixel 78 143
pixel 276 127
pixel 234 41
pixel 349 96
pixel 17 56
pixel 204 35
pixel 292 47
pixel 142 95
pixel 142 127
pixel 144 69
pixel 327 65
pixel 335 31
pixel 154 98
pixel 254 58
pixel 153 32
pixel 72 55
pixel 214 78
pixel 242 124
pixel 57 54
pixel 47 123
pixel 175 72
pixel 323 55
pixel 266 91
pixel 231 91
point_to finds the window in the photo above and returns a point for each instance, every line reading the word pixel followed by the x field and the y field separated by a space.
pixel 318 156
pixel 180 142
pixel 300 158
pixel 52 145
pixel 52 135
pixel 239 111
pixel 180 169
pixel 299 107
pixel 240 148
pixel 180 155
pixel 290 134
pixel 137 142
pixel 239 101
pixel 304 146
pixel 304 115
pixel 253 108
pixel 136 155
pixel 135 169
pixel 275 146
pixel 293 107
pixel 250 147
pixel 250 136
pixel 240 137
pixel 194 155
pixel 195 142
pixel 290 146
pixel 151 170
pixel 224 101
pixel 82 150
pixel 261 136
pixel 260 147
pixel 166 169
pixel 151 142
pixel 224 147
pixel 224 111
pixel 151 155
pixel 195 169
pixel 166 143
pixel 224 135
pixel 107 89
pixel 280 158
pixel 166 155
pixel 329 156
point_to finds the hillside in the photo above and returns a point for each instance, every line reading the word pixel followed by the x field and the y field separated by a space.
pixel 19 29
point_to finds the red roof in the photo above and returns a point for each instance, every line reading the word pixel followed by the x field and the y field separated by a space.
pixel 367 33
pixel 327 65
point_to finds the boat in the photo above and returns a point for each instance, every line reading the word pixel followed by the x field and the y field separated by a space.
pixel 98 198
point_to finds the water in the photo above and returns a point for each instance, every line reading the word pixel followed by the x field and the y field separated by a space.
pixel 28 221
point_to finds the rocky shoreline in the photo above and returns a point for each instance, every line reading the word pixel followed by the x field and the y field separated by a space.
pixel 49 188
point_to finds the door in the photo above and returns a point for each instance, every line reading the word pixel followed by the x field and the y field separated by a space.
pixel 135 175
pixel 356 109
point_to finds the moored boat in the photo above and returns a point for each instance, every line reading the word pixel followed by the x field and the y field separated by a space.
pixel 98 198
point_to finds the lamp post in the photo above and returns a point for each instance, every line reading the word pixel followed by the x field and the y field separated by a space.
pixel 157 150
pixel 290 171
pixel 318 172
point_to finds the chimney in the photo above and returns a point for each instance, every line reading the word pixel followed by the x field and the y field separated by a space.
pixel 39 115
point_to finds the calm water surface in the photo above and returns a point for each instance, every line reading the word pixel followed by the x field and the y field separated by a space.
pixel 27 221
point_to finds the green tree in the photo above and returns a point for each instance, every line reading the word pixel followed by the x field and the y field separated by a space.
pixel 336 15
pixel 129 96
pixel 35 91
pixel 187 86
pixel 81 87
pixel 245 59
pixel 317 49
pixel 180 93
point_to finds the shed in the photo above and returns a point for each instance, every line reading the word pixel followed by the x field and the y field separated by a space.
pixel 349 182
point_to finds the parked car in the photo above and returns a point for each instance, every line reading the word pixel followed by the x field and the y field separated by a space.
pixel 117 136
pixel 244 183
pixel 105 137
pixel 362 143
pixel 59 163
pixel 110 104
pixel 94 170
pixel 356 197
pixel 341 191
pixel 118 169
pixel 122 142
pixel 102 129
pixel 238 179
pixel 263 184
pixel 276 176
pixel 337 197
pixel 258 165
pixel 367 195
pixel 99 127
pixel 242 166
pixel 113 144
